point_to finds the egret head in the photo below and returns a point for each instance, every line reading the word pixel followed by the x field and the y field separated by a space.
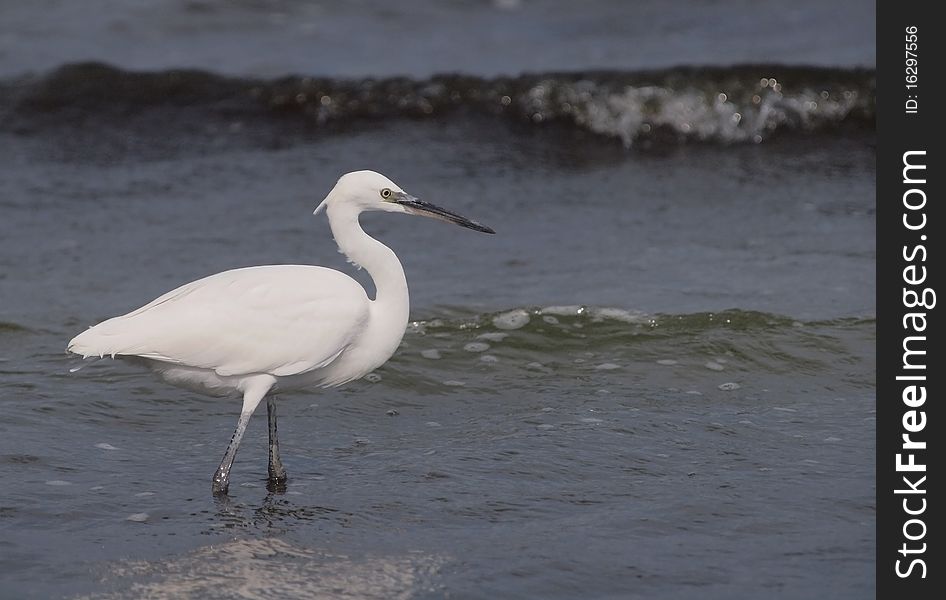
pixel 369 191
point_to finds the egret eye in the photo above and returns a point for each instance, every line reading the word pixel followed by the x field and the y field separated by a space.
pixel 385 193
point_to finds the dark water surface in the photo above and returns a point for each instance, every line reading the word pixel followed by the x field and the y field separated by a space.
pixel 655 381
pixel 371 38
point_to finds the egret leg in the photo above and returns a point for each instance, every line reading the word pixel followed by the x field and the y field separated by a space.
pixel 221 480
pixel 253 392
pixel 277 472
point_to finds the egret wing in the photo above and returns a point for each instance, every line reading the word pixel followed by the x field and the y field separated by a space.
pixel 282 320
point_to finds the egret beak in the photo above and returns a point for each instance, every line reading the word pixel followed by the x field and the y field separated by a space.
pixel 426 209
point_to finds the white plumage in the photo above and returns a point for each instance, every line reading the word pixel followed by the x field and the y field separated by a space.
pixel 280 319
pixel 259 329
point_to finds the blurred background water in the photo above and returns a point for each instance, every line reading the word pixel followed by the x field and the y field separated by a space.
pixel 655 381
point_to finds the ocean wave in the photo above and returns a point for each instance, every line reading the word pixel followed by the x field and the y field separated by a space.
pixel 614 324
pixel 594 342
pixel 11 328
pixel 745 103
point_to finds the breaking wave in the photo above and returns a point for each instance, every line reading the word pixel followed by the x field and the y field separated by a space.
pixel 745 103
pixel 593 342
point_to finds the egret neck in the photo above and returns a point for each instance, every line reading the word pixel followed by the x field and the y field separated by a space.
pixel 391 295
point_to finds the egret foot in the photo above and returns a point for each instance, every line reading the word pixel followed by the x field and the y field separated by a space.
pixel 276 486
pixel 277 473
pixel 220 483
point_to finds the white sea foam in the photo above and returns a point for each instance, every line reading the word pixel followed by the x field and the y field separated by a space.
pixel 514 319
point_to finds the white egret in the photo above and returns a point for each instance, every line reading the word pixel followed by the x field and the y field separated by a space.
pixel 261 329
